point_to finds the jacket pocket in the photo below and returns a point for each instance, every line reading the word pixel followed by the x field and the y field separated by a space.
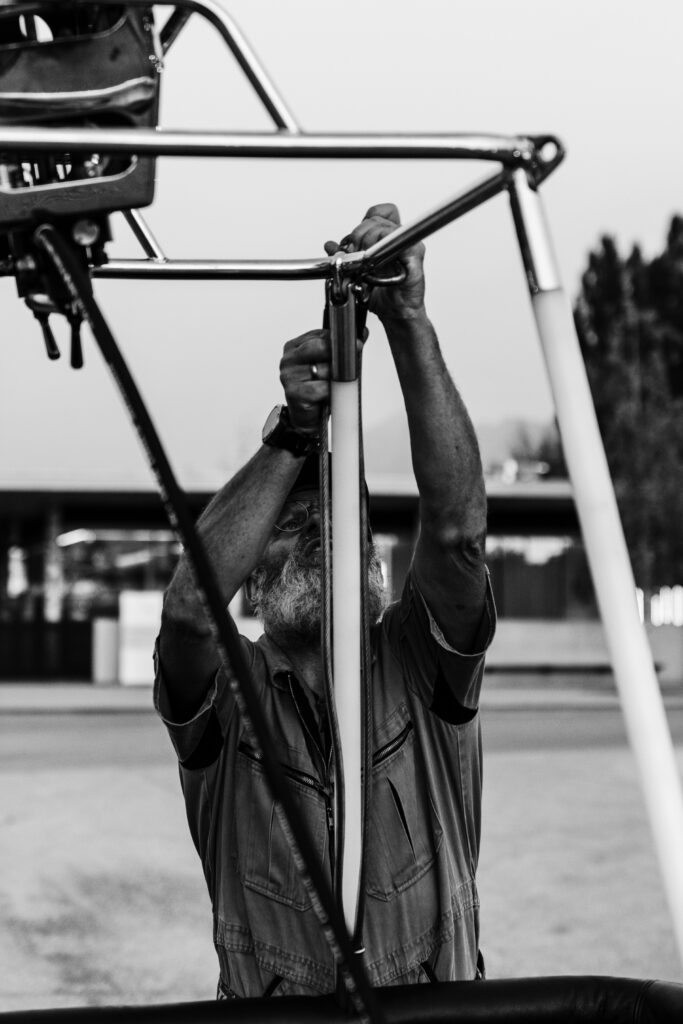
pixel 265 862
pixel 405 834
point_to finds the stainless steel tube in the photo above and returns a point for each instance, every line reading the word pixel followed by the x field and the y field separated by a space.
pixel 144 235
pixel 408 234
pixel 244 54
pixel 641 699
pixel 510 151
pixel 351 264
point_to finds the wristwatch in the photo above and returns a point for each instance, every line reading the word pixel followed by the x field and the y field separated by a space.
pixel 278 432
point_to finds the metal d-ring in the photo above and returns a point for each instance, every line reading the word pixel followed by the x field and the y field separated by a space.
pixel 380 282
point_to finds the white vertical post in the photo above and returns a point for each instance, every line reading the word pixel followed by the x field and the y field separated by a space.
pixel 346 586
pixel 641 699
pixel 346 628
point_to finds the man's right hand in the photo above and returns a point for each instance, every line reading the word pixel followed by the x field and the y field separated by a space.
pixel 305 377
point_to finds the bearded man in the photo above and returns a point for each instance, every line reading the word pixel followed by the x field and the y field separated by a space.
pixel 261 530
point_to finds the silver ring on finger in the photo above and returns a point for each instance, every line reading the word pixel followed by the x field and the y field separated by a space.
pixel 315 375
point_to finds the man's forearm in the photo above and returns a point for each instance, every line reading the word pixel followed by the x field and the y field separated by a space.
pixel 445 452
pixel 234 528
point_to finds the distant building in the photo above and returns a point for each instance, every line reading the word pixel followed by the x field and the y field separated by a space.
pixel 75 567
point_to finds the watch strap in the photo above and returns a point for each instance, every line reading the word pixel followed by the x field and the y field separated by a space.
pixel 280 433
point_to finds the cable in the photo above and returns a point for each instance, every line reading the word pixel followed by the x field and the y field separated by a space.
pixel 67 264
pixel 366 669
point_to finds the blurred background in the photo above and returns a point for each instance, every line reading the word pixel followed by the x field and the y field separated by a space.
pixel 85 551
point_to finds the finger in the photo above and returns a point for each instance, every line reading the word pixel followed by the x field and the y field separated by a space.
pixel 307 394
pixel 386 213
pixel 309 346
pixel 306 359
pixel 305 373
pixel 347 244
pixel 370 231
pixel 331 247
pixel 319 371
pixel 386 210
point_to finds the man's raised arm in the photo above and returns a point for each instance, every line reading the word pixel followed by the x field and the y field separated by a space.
pixel 448 566
pixel 236 527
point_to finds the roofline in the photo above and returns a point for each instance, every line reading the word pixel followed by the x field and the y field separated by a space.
pixel 399 485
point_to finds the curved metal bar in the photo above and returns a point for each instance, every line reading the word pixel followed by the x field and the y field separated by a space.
pixel 173 27
pixel 347 264
pixel 238 44
pixel 390 246
pixel 245 57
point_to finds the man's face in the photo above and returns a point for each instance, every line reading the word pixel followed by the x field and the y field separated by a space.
pixel 287 590
pixel 286 539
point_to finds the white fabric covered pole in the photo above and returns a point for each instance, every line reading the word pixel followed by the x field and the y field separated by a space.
pixel 603 536
pixel 346 593
pixel 346 627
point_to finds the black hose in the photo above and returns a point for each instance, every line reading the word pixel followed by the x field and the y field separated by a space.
pixel 68 265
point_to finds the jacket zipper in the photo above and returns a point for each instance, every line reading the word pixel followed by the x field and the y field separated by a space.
pixel 329 810
pixel 306 780
pixel 390 748
pixel 294 773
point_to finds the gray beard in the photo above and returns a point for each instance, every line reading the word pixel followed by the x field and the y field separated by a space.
pixel 288 599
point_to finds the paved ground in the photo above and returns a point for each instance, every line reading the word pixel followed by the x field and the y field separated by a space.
pixel 513 690
pixel 102 899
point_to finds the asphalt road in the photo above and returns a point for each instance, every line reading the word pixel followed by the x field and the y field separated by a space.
pixel 38 741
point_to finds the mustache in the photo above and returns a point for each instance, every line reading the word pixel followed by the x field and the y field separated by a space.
pixel 287 596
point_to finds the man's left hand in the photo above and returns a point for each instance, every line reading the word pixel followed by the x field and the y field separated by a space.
pixel 392 302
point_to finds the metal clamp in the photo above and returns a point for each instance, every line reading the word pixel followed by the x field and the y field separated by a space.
pixel 341 318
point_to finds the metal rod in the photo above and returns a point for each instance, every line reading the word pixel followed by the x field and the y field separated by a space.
pixel 245 56
pixel 142 232
pixel 346 580
pixel 241 49
pixel 603 535
pixel 533 234
pixel 508 150
pixel 389 246
pixel 350 264
pixel 215 270
pixel 173 27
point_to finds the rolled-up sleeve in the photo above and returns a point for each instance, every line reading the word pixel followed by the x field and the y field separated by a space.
pixel 446 680
pixel 197 742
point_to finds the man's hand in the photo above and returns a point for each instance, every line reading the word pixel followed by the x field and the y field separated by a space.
pixel 393 302
pixel 305 377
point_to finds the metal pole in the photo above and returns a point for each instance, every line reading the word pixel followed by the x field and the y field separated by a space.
pixel 253 270
pixel 346 588
pixel 408 234
pixel 136 222
pixel 173 27
pixel 232 35
pixel 603 536
pixel 511 151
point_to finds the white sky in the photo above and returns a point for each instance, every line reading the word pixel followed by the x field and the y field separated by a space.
pixel 604 75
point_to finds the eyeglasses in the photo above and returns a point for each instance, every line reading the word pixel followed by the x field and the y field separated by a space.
pixel 295 516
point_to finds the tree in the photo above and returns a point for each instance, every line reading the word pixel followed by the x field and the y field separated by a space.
pixel 545 450
pixel 629 318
